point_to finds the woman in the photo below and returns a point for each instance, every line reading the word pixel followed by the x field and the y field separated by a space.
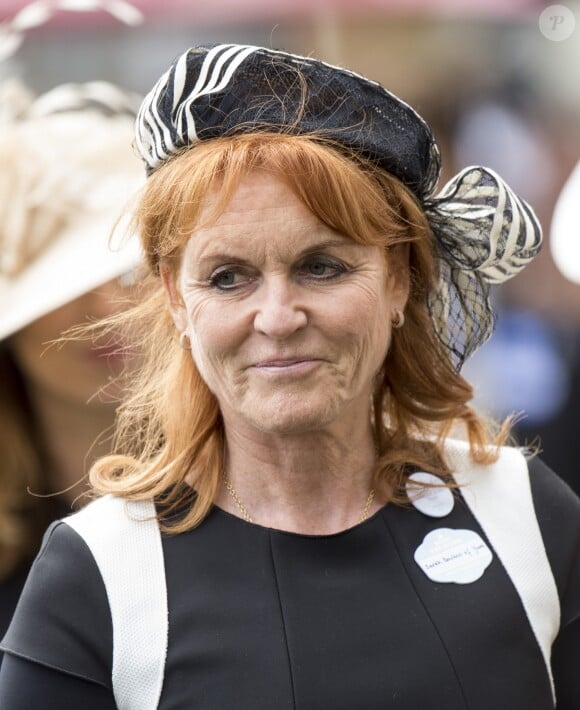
pixel 67 170
pixel 290 525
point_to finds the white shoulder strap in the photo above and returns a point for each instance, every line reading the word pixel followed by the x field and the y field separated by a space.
pixel 500 498
pixel 125 540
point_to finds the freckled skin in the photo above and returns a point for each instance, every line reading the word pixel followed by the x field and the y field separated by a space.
pixel 289 321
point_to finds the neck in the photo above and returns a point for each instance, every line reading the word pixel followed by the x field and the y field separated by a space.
pixel 74 435
pixel 314 483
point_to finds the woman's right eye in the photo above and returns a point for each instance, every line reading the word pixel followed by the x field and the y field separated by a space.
pixel 228 279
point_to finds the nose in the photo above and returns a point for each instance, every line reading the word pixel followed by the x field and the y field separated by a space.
pixel 279 313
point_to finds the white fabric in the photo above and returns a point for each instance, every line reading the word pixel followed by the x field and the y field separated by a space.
pixel 500 498
pixel 125 540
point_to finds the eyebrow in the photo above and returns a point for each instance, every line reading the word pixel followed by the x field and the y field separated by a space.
pixel 313 249
pixel 329 243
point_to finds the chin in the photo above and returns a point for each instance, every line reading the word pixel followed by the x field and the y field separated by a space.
pixel 293 417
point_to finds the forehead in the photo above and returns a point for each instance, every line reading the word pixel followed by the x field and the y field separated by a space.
pixel 259 196
pixel 263 213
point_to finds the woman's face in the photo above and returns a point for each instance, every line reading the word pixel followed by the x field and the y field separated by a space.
pixel 289 321
pixel 76 370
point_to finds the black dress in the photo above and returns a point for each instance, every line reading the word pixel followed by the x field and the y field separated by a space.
pixel 10 589
pixel 261 619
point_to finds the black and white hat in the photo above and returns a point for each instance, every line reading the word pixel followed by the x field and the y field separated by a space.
pixel 225 89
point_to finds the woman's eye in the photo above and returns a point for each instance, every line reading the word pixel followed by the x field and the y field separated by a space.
pixel 317 268
pixel 228 279
pixel 322 268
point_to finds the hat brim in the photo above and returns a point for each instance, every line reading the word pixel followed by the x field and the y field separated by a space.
pixel 90 251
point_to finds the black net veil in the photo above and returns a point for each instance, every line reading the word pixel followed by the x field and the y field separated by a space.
pixel 484 233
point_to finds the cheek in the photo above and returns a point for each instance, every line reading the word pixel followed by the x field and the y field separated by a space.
pixel 373 338
pixel 216 330
pixel 204 320
pixel 363 320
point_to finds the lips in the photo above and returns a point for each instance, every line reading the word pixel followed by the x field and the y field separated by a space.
pixel 285 362
pixel 281 363
pixel 287 367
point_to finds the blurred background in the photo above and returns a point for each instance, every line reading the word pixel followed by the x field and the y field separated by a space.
pixel 497 80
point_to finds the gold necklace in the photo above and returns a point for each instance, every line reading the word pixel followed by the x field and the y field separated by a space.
pixel 242 508
pixel 248 518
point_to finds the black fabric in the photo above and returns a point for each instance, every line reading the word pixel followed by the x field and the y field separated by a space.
pixel 30 686
pixel 558 512
pixel 565 664
pixel 262 619
pixel 273 90
pixel 64 595
pixel 10 591
pixel 44 512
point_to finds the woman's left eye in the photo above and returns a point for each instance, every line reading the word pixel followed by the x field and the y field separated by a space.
pixel 322 269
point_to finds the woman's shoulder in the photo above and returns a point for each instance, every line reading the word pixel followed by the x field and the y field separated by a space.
pixel 511 474
pixel 116 511
pixel 93 567
pixel 552 495
pixel 103 520
pixel 62 619
pixel 529 513
pixel 517 487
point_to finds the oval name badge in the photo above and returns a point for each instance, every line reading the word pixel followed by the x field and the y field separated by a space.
pixel 436 502
pixel 450 555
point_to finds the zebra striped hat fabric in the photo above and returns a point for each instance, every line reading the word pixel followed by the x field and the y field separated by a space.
pixel 224 89
pixel 485 233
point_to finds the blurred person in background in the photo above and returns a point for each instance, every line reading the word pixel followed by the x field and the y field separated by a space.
pixel 66 170
pixel 558 434
pixel 531 366
pixel 287 521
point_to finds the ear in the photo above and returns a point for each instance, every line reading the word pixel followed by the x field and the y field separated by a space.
pixel 174 300
pixel 399 275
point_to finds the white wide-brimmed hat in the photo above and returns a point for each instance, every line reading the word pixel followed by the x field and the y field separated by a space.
pixel 68 174
pixel 565 228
